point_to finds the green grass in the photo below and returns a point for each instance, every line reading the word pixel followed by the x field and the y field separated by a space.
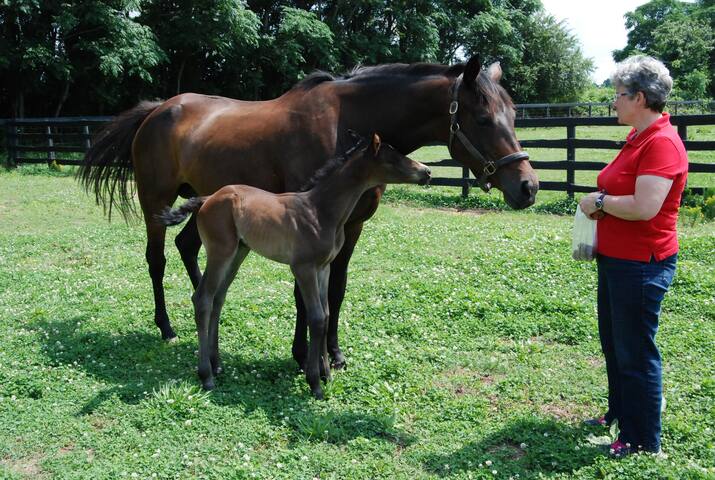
pixel 471 342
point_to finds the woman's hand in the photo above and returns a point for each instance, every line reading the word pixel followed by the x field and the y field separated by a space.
pixel 588 206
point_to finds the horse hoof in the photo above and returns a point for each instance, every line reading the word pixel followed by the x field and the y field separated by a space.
pixel 169 336
pixel 338 364
pixel 318 394
pixel 209 385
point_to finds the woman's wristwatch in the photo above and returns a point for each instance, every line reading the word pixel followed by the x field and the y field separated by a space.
pixel 599 201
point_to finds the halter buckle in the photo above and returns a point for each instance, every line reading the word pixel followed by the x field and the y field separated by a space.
pixel 454 127
pixel 453 107
pixel 490 168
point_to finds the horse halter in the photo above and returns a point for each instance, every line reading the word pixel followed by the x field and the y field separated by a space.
pixel 489 167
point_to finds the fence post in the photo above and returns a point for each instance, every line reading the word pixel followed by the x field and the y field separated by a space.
pixel 11 141
pixel 87 142
pixel 683 131
pixel 570 158
pixel 50 144
pixel 465 182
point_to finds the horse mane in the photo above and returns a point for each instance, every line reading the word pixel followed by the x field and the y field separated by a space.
pixel 387 70
pixel 313 79
pixel 398 69
pixel 332 165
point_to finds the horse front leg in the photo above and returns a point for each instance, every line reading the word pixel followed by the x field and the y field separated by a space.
pixel 336 291
pixel 188 242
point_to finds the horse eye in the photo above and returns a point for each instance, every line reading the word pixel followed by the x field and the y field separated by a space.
pixel 484 121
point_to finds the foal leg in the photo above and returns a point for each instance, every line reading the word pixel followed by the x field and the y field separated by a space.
pixel 188 243
pixel 218 302
pixel 219 263
pixel 336 291
pixel 300 340
pixel 306 277
pixel 323 279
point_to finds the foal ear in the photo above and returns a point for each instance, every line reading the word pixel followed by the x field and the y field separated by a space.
pixel 474 66
pixel 376 143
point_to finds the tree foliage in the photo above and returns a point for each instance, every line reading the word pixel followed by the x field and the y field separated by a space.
pixel 681 35
pixel 101 56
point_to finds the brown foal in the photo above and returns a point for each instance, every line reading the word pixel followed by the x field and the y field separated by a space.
pixel 302 229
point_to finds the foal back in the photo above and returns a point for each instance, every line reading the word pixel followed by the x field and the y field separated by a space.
pixel 281 227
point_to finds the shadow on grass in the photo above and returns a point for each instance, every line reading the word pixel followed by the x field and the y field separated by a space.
pixel 137 365
pixel 530 447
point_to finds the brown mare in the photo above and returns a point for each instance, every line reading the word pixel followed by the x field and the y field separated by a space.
pixel 303 230
pixel 195 144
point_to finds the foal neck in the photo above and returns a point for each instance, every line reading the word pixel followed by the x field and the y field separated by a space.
pixel 335 196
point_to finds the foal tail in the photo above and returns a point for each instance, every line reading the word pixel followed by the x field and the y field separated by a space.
pixel 107 168
pixel 174 216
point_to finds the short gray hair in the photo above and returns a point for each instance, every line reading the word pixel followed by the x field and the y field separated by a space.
pixel 641 73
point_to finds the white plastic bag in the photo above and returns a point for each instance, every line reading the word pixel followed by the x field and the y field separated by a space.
pixel 583 243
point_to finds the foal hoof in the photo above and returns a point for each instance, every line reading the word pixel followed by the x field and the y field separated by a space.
pixel 209 385
pixel 318 394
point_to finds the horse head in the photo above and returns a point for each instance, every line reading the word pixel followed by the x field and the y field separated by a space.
pixel 482 135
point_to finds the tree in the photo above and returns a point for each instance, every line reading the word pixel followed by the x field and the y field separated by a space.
pixel 57 51
pixel 202 39
pixel 681 35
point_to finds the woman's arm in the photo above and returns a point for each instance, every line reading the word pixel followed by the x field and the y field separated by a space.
pixel 644 204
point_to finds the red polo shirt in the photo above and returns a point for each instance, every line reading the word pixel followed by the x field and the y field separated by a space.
pixel 658 151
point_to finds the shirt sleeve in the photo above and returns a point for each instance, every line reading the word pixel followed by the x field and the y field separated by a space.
pixel 661 158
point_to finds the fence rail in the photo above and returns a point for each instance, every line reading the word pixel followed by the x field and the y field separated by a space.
pixel 604 109
pixel 57 137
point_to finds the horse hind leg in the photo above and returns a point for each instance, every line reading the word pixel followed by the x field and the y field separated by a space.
pixel 156 235
pixel 188 242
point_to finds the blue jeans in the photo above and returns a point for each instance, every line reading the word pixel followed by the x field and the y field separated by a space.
pixel 629 297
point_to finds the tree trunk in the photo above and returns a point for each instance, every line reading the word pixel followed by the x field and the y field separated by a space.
pixel 63 98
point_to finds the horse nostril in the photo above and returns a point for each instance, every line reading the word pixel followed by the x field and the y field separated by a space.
pixel 529 188
pixel 428 172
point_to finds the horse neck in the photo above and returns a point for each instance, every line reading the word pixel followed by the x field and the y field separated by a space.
pixel 407 115
pixel 335 196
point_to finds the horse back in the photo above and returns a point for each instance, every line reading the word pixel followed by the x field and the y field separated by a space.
pixel 207 142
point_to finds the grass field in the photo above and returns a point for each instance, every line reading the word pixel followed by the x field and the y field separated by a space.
pixel 471 342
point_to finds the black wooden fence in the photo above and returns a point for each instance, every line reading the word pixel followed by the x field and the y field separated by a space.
pixel 64 140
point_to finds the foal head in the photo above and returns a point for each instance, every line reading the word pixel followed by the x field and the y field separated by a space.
pixel 383 164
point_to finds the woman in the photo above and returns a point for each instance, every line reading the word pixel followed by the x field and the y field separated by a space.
pixel 637 210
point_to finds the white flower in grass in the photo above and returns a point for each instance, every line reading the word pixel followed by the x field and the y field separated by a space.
pixel 522 445
pixel 488 463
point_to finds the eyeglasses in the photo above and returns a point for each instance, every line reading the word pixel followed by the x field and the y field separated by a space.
pixel 615 97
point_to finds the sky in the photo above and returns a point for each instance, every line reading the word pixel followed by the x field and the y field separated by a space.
pixel 599 27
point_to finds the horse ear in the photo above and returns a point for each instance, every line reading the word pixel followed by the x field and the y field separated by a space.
pixel 474 66
pixel 495 71
pixel 376 143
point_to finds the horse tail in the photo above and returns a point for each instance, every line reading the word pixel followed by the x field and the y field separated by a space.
pixel 174 216
pixel 107 168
